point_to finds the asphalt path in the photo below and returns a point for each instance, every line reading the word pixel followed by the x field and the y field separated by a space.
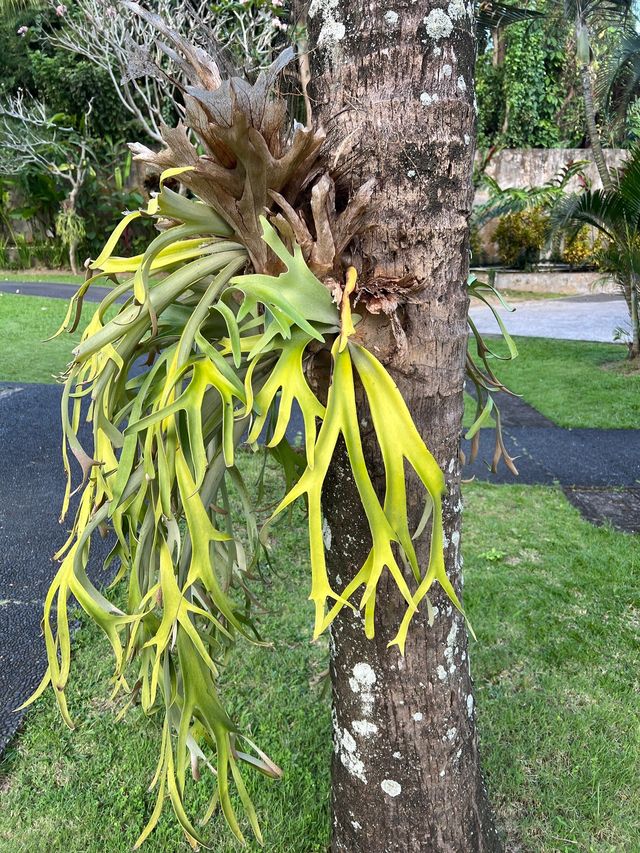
pixel 32 482
pixel 53 290
pixel 31 486
pixel 594 317
pixel 547 454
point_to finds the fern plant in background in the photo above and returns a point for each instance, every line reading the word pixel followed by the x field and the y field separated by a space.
pixel 245 285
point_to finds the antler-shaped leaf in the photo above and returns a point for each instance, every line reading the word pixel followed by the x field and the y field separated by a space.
pixel 398 440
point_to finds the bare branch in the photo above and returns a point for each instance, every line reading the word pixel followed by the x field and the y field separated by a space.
pixel 29 136
pixel 147 75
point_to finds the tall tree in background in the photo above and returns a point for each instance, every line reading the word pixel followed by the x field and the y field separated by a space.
pixel 394 89
pixel 589 16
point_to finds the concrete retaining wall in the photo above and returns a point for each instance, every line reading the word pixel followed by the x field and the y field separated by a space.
pixel 529 167
pixel 547 281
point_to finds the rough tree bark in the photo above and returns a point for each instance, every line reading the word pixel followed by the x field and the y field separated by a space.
pixel 69 206
pixel 392 84
pixel 592 128
pixel 634 350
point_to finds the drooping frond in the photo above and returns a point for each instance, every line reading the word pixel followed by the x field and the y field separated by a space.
pixel 241 288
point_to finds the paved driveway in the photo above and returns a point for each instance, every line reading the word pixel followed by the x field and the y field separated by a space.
pixel 31 487
pixel 579 318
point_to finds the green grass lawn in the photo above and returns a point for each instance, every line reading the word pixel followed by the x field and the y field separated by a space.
pixel 555 604
pixel 55 276
pixel 575 383
pixel 25 323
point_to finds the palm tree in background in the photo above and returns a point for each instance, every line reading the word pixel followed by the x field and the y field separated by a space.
pixel 614 212
pixel 588 18
pixel 620 81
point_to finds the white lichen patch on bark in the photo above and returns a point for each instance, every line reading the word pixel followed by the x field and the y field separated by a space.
pixel 364 674
pixel 397 755
pixel 426 99
pixel 462 86
pixel 336 730
pixel 438 24
pixel 451 734
pixel 332 30
pixel 470 705
pixel 362 683
pixel 348 753
pixel 364 728
pixel 441 672
pixel 391 787
pixel 456 10
pixel 391 18
pixel 450 647
pixel 417 716
pixel 326 534
pixel 446 71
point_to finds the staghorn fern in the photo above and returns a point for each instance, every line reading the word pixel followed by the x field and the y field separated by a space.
pixel 225 307
pixel 164 449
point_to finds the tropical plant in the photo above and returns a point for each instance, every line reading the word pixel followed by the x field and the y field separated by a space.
pixel 244 296
pixel 583 250
pixel 523 213
pixel 482 375
pixel 502 201
pixel 23 252
pixel 620 78
pixel 521 86
pixel 615 214
pixel 110 189
pixel 70 229
pixel 520 236
pixel 589 18
pixel 225 350
pixel 4 254
pixel 31 136
pixel 147 82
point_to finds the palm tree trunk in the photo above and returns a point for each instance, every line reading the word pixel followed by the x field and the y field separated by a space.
pixel 394 90
pixel 635 322
pixel 589 107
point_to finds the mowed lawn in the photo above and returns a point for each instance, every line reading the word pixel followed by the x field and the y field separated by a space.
pixel 555 604
pixel 25 324
pixel 554 601
pixel 53 276
pixel 574 383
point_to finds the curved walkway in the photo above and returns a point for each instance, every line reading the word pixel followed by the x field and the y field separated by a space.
pixel 595 317
pixel 31 485
pixel 585 462
pixel 581 460
pixel 54 290
pixel 548 454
